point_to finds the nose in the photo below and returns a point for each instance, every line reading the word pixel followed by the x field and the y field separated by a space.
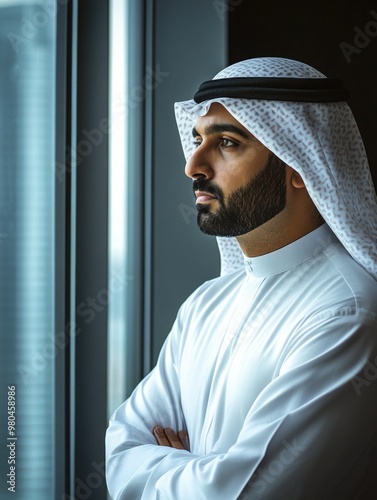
pixel 199 164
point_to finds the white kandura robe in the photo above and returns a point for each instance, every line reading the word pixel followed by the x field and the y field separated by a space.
pixel 273 372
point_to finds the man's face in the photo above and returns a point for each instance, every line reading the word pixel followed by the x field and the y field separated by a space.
pixel 238 183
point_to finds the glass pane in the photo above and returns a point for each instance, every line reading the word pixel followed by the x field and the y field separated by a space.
pixel 27 69
pixel 126 169
pixel 117 209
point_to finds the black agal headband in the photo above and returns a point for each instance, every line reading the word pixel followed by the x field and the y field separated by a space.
pixel 275 89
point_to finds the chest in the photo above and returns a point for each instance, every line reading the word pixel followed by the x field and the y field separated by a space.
pixel 232 351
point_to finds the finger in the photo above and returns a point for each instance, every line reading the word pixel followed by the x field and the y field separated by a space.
pixel 183 436
pixel 174 440
pixel 160 436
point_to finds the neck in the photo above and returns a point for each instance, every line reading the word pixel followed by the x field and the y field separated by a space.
pixel 275 234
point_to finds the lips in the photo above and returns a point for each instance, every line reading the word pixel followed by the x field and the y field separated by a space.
pixel 203 197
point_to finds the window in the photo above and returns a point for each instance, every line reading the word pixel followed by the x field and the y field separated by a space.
pixel 89 282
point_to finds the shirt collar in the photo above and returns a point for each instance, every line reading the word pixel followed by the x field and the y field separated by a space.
pixel 291 255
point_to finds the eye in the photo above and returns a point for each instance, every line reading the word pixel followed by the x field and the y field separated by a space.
pixel 227 143
pixel 197 142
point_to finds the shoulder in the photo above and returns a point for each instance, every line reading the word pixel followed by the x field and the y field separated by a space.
pixel 332 309
pixel 344 277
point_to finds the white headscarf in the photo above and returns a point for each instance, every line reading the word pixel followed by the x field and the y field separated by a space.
pixel 321 141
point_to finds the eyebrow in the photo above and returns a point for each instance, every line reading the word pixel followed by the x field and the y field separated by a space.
pixel 216 128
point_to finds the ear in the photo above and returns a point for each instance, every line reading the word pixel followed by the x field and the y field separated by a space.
pixel 296 179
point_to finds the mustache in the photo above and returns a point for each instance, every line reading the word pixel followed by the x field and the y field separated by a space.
pixel 208 187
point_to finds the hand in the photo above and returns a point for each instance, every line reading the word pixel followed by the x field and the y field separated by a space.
pixel 167 437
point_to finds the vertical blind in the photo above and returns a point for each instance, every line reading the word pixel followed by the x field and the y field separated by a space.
pixel 27 352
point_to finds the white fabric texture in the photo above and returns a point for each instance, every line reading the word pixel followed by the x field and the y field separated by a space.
pixel 272 371
pixel 321 141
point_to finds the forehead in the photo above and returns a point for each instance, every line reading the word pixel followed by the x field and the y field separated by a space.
pixel 216 114
pixel 219 120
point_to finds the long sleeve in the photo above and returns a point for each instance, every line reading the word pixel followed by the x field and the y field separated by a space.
pixel 134 460
pixel 308 432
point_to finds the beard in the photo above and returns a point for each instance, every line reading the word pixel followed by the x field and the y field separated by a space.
pixel 249 206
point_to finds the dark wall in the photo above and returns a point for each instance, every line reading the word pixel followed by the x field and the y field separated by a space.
pixel 189 48
pixel 338 38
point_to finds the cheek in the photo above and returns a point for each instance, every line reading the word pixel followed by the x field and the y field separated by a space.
pixel 243 167
pixel 254 155
pixel 260 156
pixel 247 167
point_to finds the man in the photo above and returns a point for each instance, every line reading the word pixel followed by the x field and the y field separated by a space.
pixel 266 386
